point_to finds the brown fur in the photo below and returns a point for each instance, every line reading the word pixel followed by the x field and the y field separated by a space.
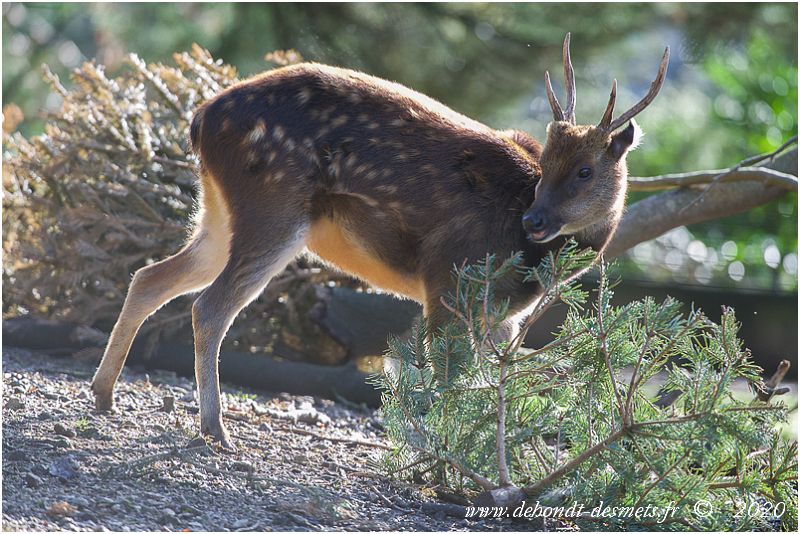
pixel 375 179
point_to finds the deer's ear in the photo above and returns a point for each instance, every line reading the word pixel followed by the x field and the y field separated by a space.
pixel 531 145
pixel 625 140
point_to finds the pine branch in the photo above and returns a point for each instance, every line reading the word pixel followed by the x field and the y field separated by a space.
pixel 603 336
pixel 517 413
pixel 535 489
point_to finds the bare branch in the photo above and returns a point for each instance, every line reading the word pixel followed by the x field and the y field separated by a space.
pixel 657 214
pixel 744 174
pixel 502 466
pixel 770 388
pixel 769 157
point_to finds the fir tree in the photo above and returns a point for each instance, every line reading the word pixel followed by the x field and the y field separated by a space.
pixel 630 404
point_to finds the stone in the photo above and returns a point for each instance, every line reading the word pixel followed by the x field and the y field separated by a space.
pixel 246 467
pixel 33 481
pixel 60 509
pixel 168 404
pixel 62 443
pixel 196 442
pixel 503 496
pixel 63 430
pixel 16 455
pixel 14 404
pixel 65 467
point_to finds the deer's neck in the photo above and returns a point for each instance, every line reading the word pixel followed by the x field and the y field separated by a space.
pixel 598 235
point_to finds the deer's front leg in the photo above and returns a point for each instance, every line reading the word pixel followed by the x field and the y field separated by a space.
pixel 438 316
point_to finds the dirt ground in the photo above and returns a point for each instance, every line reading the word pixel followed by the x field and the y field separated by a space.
pixel 302 463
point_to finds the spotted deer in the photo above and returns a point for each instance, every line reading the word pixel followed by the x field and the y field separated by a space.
pixel 380 182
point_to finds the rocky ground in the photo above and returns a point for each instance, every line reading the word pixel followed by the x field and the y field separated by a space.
pixel 302 463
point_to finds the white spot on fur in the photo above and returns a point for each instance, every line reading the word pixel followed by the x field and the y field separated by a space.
pixel 258 132
pixel 325 114
pixel 390 189
pixel 339 121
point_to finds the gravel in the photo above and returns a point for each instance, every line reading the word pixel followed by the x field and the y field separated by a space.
pixel 144 467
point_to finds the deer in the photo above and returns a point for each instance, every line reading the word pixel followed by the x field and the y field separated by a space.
pixel 379 182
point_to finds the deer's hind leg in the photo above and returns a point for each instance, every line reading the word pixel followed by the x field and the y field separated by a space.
pixel 194 267
pixel 261 247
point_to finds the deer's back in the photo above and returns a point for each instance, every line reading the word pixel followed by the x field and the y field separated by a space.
pixel 387 175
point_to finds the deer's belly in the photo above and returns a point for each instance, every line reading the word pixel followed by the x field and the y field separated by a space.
pixel 335 246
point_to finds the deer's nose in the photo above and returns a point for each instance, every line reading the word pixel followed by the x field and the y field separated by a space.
pixel 534 221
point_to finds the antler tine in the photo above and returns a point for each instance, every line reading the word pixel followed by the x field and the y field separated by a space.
pixel 569 78
pixel 605 122
pixel 655 87
pixel 558 113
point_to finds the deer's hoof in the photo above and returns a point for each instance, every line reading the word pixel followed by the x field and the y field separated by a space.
pixel 103 401
pixel 219 436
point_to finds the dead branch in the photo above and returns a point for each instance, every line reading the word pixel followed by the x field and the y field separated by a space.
pixel 659 213
pixel 763 175
pixel 770 388
pixel 354 441
pixel 741 172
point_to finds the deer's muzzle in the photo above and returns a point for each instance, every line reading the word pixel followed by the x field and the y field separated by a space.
pixel 540 227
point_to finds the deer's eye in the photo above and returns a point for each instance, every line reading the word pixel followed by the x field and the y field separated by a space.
pixel 585 173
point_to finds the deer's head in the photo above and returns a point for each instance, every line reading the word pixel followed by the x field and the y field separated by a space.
pixel 584 173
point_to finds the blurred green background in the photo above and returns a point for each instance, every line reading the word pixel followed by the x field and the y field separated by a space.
pixel 731 90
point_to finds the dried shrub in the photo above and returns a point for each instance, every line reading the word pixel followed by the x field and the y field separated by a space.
pixel 109 187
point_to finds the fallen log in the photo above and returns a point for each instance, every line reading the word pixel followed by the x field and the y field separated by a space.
pixel 260 372
pixel 57 337
pixel 344 326
pixel 252 370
